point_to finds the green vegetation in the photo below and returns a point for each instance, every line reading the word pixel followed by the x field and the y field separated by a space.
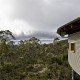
pixel 31 60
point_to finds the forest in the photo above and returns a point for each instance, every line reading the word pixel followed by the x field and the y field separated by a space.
pixel 31 60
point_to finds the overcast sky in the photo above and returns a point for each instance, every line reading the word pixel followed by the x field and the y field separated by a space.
pixel 39 18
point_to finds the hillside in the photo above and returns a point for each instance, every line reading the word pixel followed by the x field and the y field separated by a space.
pixel 30 60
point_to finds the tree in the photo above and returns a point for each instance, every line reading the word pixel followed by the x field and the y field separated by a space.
pixel 6 35
pixel 55 40
pixel 34 40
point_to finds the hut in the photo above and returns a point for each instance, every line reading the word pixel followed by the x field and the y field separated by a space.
pixel 72 29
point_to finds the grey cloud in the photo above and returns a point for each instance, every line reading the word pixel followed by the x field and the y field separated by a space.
pixel 47 17
pixel 37 34
pixel 43 17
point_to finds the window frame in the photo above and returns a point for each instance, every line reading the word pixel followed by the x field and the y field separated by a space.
pixel 72 46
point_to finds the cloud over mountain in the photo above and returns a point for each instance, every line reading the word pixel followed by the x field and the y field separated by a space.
pixel 40 18
pixel 37 34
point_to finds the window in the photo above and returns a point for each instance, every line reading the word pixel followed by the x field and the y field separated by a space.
pixel 73 47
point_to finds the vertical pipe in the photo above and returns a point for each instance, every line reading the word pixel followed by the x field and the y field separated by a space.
pixel 72 74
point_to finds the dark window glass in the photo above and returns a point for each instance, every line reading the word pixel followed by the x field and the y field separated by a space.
pixel 73 47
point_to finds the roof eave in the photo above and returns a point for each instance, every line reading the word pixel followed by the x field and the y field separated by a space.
pixel 62 31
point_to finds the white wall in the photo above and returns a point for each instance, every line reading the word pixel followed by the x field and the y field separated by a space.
pixel 74 58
